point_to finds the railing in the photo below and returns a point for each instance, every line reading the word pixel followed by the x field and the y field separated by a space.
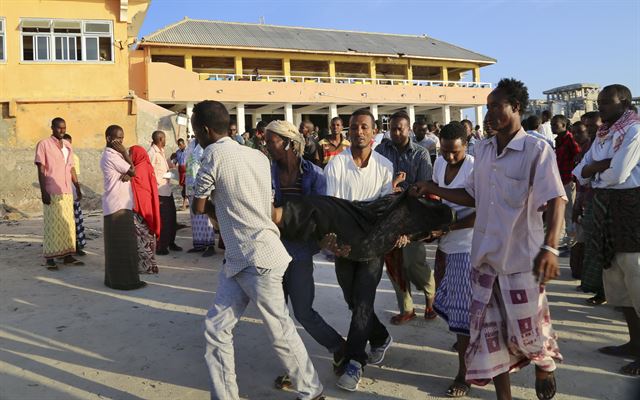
pixel 342 80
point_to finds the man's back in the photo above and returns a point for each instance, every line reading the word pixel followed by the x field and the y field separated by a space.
pixel 240 179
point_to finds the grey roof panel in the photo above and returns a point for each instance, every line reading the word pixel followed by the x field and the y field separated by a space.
pixel 217 33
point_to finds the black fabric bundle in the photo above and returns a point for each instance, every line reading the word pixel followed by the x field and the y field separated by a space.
pixel 370 228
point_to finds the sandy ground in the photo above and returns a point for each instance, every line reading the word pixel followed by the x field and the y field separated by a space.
pixel 64 335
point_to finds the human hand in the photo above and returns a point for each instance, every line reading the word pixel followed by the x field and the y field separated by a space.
pixel 576 214
pixel 46 198
pixel 400 177
pixel 421 189
pixel 117 145
pixel 402 241
pixel 434 235
pixel 125 178
pixel 78 193
pixel 330 242
pixel 545 266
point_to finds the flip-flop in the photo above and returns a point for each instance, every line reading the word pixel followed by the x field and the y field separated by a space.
pixel 401 319
pixel 545 386
pixel 458 389
pixel 429 314
pixel 632 369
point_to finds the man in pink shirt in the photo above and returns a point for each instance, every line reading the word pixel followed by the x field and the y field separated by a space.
pixel 161 167
pixel 515 179
pixel 56 175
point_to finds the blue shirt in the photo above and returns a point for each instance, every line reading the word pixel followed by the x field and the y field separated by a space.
pixel 314 183
pixel 181 156
pixel 414 160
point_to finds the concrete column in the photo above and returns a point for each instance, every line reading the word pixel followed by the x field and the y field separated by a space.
pixel 374 110
pixel 446 114
pixel 297 119
pixel 189 114
pixel 479 116
pixel 256 118
pixel 240 117
pixel 286 69
pixel 372 70
pixel 333 112
pixel 288 112
pixel 476 75
pixel 461 116
pixel 411 110
pixel 188 62
pixel 444 73
pixel 238 65
pixel 332 71
pixel 409 71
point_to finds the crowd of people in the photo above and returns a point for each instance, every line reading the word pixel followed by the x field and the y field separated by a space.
pixel 524 190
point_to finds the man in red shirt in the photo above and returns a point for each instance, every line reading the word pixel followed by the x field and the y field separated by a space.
pixel 567 149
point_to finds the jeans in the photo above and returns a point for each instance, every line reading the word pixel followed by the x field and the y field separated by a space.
pixel 300 288
pixel 264 288
pixel 359 281
pixel 169 221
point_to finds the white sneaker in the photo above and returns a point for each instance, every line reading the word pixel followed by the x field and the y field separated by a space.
pixel 376 354
pixel 350 379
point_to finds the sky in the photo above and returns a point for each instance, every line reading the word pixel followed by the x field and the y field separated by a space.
pixel 544 43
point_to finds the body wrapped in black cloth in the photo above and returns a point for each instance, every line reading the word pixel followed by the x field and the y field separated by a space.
pixel 369 228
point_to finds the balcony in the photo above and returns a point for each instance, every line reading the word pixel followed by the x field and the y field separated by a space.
pixel 167 83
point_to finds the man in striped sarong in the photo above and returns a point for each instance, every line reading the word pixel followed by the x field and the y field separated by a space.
pixel 201 226
pixel 57 176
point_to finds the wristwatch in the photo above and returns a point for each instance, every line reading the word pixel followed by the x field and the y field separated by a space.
pixel 550 249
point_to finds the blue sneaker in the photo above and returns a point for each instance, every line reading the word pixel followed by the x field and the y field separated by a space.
pixel 376 354
pixel 351 376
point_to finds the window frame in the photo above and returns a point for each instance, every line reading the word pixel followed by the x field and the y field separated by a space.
pixel 3 45
pixel 80 39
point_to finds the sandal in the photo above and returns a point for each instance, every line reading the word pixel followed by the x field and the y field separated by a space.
pixel 458 389
pixel 597 300
pixel 51 264
pixel 403 318
pixel 429 314
pixel 68 260
pixel 283 382
pixel 545 384
pixel 632 369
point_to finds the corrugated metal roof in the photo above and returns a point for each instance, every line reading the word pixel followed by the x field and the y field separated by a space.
pixel 231 34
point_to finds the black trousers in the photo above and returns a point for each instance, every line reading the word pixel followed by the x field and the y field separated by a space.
pixel 359 281
pixel 169 222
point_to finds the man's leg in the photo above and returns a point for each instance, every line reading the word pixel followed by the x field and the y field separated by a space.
pixel 420 274
pixel 394 261
pixel 264 287
pixel 299 285
pixel 345 274
pixel 229 305
pixel 173 221
pixel 165 212
pixel 570 190
pixel 502 383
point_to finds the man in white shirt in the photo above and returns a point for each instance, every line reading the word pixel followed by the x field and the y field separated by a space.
pixel 612 167
pixel 255 258
pixel 545 127
pixel 360 174
pixel 426 138
pixel 161 167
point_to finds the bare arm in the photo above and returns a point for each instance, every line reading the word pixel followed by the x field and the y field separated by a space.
pixel 595 167
pixel 545 265
pixel 198 206
pixel 458 196
pixel 464 223
pixel 46 198
pixel 74 179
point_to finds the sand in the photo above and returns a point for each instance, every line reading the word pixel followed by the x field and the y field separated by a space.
pixel 64 335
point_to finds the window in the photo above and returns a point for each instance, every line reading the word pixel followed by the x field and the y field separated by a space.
pixel 2 40
pixel 68 41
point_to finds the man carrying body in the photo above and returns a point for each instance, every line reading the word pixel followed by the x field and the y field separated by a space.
pixel 360 174
pixel 567 149
pixel 57 176
pixel 612 166
pixel 425 138
pixel 333 145
pixel 167 240
pixel 515 178
pixel 255 259
pixel 408 265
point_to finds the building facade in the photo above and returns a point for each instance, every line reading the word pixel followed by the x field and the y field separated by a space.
pixel 571 101
pixel 263 72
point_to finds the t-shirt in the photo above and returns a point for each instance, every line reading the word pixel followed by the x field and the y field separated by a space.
pixel 458 241
pixel 346 180
pixel 117 194
pixel 430 142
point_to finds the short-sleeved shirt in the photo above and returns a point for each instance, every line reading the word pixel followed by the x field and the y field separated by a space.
pixel 329 150
pixel 117 194
pixel 430 142
pixel 567 149
pixel 57 167
pixel 414 160
pixel 238 180
pixel 458 241
pixel 160 168
pixel 510 191
pixel 346 180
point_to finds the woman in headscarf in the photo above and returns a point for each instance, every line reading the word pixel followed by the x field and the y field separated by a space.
pixel 293 177
pixel 146 209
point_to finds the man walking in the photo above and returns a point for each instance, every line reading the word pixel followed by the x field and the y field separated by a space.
pixel 57 177
pixel 360 174
pixel 515 178
pixel 255 259
pixel 408 264
pixel 167 240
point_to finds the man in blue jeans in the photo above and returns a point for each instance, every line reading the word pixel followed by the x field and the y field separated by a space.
pixel 236 178
pixel 292 177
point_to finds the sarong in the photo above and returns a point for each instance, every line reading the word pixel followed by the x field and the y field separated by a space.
pixel 121 251
pixel 79 217
pixel 59 227
pixel 169 222
pixel 591 277
pixel 146 246
pixel 453 296
pixel 439 266
pixel 202 230
pixel 510 325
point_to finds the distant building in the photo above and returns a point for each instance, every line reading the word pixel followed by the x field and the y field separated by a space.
pixel 570 100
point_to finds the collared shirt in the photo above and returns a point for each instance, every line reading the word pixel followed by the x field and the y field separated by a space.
pixel 346 180
pixel 545 130
pixel 160 168
pixel 471 146
pixel 57 167
pixel 510 191
pixel 329 150
pixel 567 149
pixel 414 160
pixel 624 171
pixel 238 180
pixel 181 156
pixel 117 194
pixel 430 142
pixel 542 137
